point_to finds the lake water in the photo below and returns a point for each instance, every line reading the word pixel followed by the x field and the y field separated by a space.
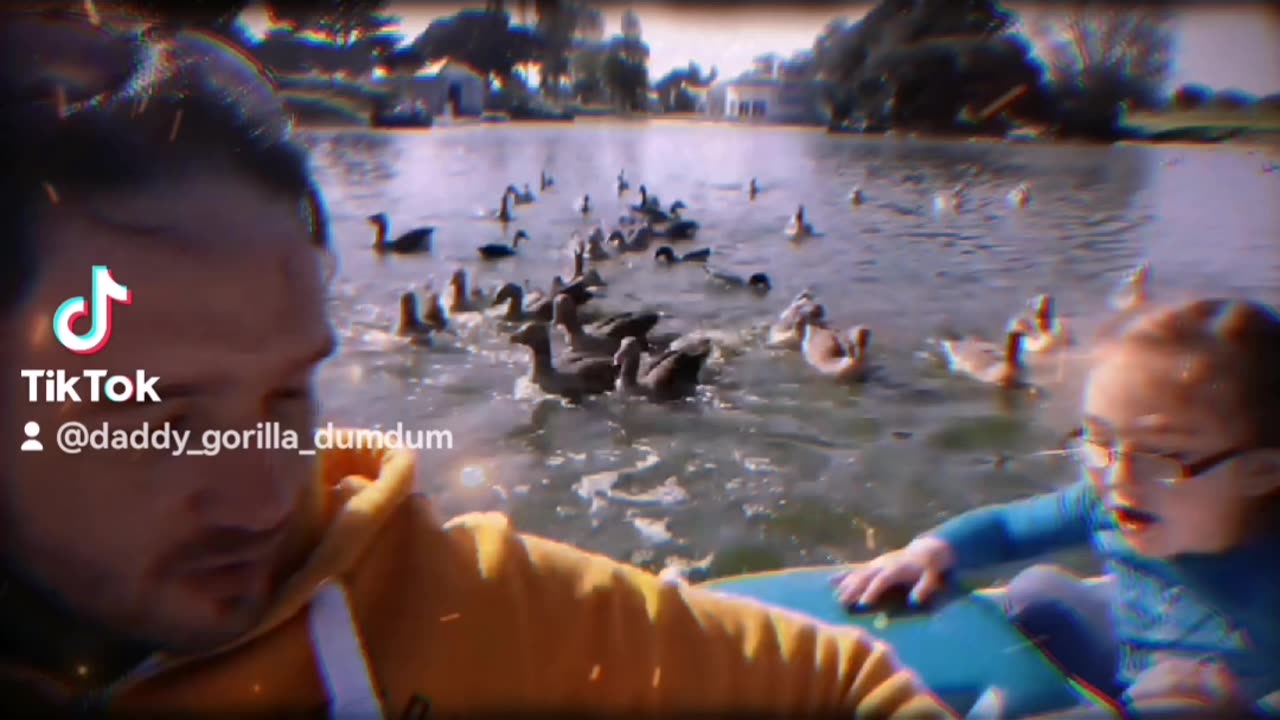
pixel 773 464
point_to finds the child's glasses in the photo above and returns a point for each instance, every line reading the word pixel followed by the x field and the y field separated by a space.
pixel 1098 456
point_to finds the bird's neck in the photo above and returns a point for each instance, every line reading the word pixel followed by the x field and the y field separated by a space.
pixel 541 351
pixel 628 377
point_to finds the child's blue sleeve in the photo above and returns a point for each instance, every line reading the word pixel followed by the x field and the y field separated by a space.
pixel 1021 530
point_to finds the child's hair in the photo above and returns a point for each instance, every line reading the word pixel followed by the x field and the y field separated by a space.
pixel 1236 340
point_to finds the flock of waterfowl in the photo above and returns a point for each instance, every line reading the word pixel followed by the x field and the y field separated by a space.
pixel 603 352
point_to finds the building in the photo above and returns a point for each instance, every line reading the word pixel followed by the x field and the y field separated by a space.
pixel 774 91
pixel 445 87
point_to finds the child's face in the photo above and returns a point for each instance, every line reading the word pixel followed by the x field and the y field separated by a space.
pixel 1164 413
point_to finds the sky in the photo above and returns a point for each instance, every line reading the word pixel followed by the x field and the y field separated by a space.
pixel 1220 44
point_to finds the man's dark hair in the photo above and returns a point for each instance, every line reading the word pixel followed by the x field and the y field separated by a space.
pixel 86 109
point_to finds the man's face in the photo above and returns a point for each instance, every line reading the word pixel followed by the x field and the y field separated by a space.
pixel 228 312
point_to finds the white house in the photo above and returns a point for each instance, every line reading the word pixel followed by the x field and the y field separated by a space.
pixel 774 91
pixel 444 87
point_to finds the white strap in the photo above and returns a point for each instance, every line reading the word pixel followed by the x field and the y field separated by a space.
pixel 341 656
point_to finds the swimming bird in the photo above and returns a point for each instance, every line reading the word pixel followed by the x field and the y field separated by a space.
pixel 623 185
pixel 829 354
pixel 584 205
pixel 521 197
pixel 417 240
pixel 668 256
pixel 545 181
pixel 601 338
pixel 788 331
pixel 433 314
pixel 1134 290
pixel 988 362
pixel 596 251
pixel 1043 331
pixel 635 240
pixel 575 378
pixel 411 325
pixel 1020 196
pixel 674 211
pixel 855 195
pixel 757 282
pixel 503 213
pixel 670 376
pixel 752 189
pixel 796 226
pixel 459 300
pixel 525 305
pixel 681 230
pixel 647 202
pixel 949 200
pixel 581 274
pixel 495 251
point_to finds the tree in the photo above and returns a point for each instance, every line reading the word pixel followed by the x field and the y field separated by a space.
pixel 341 22
pixel 1117 53
pixel 672 88
pixel 486 41
pixel 926 64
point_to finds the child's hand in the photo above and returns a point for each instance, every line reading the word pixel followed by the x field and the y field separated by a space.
pixel 921 565
pixel 1185 681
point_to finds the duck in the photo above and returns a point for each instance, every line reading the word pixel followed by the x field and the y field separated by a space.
pixel 1043 331
pixel 796 226
pixel 503 214
pixel 411 325
pixel 788 331
pixel 596 251
pixel 988 362
pixel 496 251
pixel 666 255
pixel 756 282
pixel 545 181
pixel 673 212
pixel 831 355
pixel 753 189
pixel 521 197
pixel 855 195
pixel 1020 196
pixel 603 337
pixel 623 185
pixel 647 202
pixel 670 376
pixel 581 274
pixel 584 205
pixel 417 240
pixel 1134 291
pixel 575 378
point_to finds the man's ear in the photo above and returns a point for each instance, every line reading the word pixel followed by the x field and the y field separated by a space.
pixel 1261 473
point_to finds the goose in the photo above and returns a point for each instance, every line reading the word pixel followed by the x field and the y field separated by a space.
pixel 524 305
pixel 603 337
pixel 588 277
pixel 949 200
pixel 1020 196
pixel 753 189
pixel 576 377
pixel 596 251
pixel 670 376
pixel 647 202
pixel 417 240
pixel 855 195
pixel 521 197
pixel 584 205
pixel 673 212
pixel 757 282
pixel 433 314
pixel 636 240
pixel 496 251
pixel 788 331
pixel 459 300
pixel 796 226
pixel 681 230
pixel 829 354
pixel 1043 331
pixel 988 362
pixel 1134 291
pixel 545 181
pixel 503 214
pixel 623 185
pixel 667 256
pixel 411 325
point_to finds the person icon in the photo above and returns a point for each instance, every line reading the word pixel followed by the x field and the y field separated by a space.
pixel 31 444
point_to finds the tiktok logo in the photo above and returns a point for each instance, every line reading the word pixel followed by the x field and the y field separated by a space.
pixel 103 291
